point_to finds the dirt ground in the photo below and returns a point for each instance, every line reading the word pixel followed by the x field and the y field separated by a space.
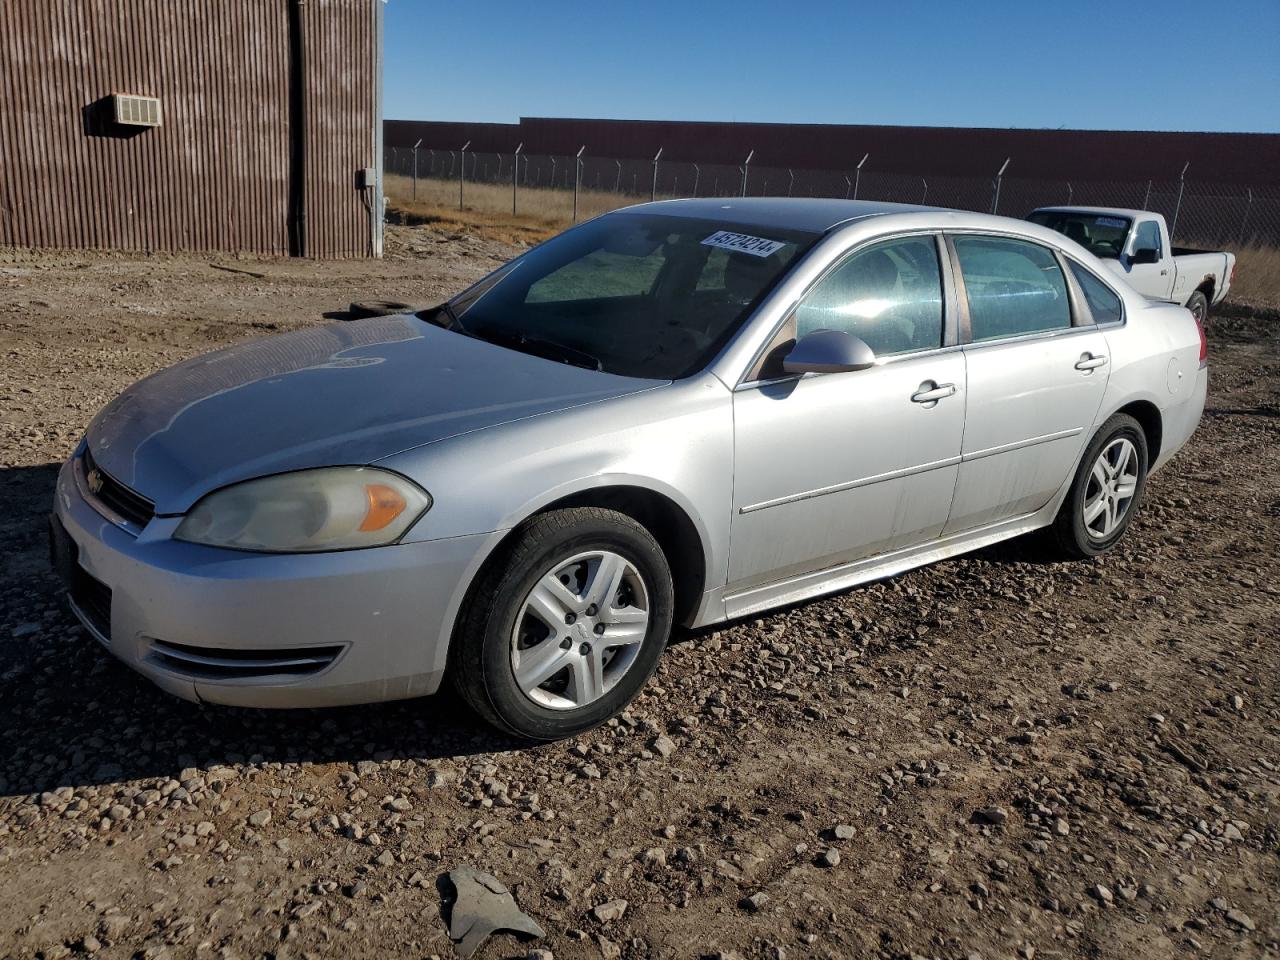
pixel 996 757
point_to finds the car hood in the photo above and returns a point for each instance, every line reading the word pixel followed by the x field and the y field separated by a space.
pixel 345 393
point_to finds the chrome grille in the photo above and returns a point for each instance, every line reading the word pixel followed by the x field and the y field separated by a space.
pixel 221 663
pixel 115 496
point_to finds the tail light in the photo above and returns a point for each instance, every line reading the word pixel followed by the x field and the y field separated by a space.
pixel 1204 341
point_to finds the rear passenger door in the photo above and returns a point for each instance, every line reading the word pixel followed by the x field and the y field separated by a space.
pixel 1036 366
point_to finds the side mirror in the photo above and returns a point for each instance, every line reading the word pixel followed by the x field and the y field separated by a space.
pixel 829 351
pixel 1145 255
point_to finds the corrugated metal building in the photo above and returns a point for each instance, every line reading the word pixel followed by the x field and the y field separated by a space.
pixel 269 133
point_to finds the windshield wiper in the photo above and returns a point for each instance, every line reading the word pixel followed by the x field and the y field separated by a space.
pixel 538 347
pixel 443 316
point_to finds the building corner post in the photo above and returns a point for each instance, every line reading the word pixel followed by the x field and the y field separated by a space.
pixel 377 204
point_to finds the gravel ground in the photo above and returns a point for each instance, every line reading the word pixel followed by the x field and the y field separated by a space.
pixel 999 756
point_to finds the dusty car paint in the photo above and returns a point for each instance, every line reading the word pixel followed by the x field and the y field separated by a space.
pixel 793 487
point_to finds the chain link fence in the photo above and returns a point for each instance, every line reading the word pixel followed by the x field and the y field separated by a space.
pixel 565 188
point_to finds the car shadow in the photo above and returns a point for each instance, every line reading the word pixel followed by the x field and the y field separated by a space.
pixel 72 715
pixel 1032 549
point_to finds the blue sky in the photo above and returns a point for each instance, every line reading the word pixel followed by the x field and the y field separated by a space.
pixel 1126 64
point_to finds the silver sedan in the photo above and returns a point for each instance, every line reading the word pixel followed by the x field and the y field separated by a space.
pixel 677 413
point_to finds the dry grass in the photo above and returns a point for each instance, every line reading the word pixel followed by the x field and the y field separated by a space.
pixel 1257 279
pixel 541 212
pixel 501 228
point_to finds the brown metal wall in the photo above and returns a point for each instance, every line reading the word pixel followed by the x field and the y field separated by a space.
pixel 1243 158
pixel 341 114
pixel 215 175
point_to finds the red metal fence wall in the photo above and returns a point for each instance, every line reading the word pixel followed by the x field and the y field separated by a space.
pixel 1243 158
pixel 215 175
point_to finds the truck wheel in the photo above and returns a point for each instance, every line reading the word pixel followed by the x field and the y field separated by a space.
pixel 566 626
pixel 1198 304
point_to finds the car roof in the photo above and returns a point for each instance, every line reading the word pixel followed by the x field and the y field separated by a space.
pixel 864 218
pixel 811 214
pixel 1100 211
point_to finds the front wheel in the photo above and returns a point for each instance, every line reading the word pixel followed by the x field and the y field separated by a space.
pixel 566 625
pixel 1106 491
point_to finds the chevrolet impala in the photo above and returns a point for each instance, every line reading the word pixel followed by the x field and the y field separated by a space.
pixel 673 415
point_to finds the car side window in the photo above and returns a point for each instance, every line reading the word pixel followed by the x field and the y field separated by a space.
pixel 1148 237
pixel 1013 287
pixel 889 294
pixel 1104 304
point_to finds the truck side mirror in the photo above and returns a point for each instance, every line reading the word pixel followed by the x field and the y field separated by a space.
pixel 1145 255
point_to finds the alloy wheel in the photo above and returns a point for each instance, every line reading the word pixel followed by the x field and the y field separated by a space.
pixel 579 630
pixel 1113 481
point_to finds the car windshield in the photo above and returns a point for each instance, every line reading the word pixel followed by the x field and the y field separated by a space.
pixel 639 295
pixel 1099 233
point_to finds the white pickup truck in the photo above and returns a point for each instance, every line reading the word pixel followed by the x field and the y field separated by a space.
pixel 1135 244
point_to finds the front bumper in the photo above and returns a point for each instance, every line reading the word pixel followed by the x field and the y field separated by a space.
pixel 263 630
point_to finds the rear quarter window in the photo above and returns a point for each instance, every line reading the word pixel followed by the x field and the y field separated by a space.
pixel 1105 305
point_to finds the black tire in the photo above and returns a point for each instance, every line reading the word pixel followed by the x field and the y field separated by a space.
pixel 1198 304
pixel 1069 533
pixel 364 309
pixel 481 662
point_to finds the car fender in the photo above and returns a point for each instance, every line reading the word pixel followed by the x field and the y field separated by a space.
pixel 713 576
pixel 603 480
pixel 676 441
pixel 1154 359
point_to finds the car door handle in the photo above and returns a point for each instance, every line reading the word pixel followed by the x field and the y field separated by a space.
pixel 931 392
pixel 1089 361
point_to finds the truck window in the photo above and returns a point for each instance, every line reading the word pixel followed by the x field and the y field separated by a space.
pixel 1101 234
pixel 1105 306
pixel 1148 236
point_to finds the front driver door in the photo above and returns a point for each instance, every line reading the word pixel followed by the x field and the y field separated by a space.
pixel 1149 279
pixel 833 468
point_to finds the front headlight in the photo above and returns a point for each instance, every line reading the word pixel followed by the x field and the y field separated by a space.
pixel 333 508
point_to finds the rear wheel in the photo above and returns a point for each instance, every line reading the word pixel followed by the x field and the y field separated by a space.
pixel 1106 491
pixel 565 627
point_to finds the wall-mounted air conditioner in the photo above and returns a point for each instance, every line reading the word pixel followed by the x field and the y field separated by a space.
pixel 136 111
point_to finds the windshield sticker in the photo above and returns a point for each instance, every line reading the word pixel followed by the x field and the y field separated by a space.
pixel 742 243
pixel 1111 222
